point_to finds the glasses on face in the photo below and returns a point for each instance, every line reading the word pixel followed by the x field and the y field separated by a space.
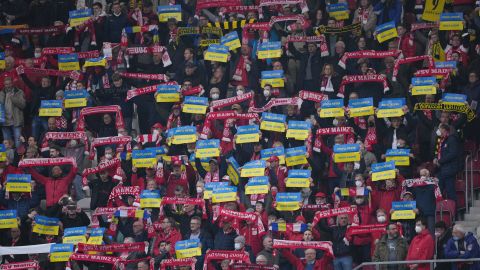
pixel 194 223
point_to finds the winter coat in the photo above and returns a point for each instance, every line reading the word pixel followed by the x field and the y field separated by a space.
pixel 18 104
pixel 472 250
pixel 381 253
pixel 421 248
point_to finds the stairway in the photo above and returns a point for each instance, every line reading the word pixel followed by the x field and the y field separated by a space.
pixel 471 221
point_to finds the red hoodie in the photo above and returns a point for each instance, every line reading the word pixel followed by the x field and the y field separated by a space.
pixel 55 188
pixel 421 248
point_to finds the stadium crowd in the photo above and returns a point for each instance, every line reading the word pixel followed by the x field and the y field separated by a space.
pixel 235 134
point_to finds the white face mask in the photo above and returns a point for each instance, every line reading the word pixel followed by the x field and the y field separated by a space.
pixel 335 122
pixel 199 190
pixel 37 55
pixel 108 156
pixel 381 219
pixel 438 133
pixel 239 93
pixel 358 183
pixel 238 246
pixel 73 143
pixel 418 229
pixel 266 93
pixel 215 96
pixel 156 132
pixel 359 201
pixel 437 234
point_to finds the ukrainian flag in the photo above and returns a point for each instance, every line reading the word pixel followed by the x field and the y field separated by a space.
pixel 8 219
pixel 273 122
pixel 386 31
pixel 150 199
pixel 195 105
pixel 46 225
pixel 332 108
pixel 75 235
pixel 188 248
pixel 60 252
pixel 51 108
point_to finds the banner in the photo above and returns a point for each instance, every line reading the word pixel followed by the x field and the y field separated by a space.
pixel 291 227
pixel 323 29
pixel 61 252
pixel 346 153
pixel 424 86
pixel 30 265
pixel 231 40
pixel 298 130
pixel 391 107
pixel 279 152
pixel 257 185
pixel 253 168
pixel 19 183
pixel 95 62
pixel 195 105
pixel 288 201
pixel 401 157
pixel 183 134
pixel 446 64
pixel 2 60
pixel 188 248
pixel 144 158
pixel 273 122
pixel 366 54
pixel 96 236
pixel 75 98
pixel 207 148
pixel 353 192
pixel 453 99
pixel 75 235
pixel 168 93
pixel 349 79
pixel 217 53
pixel 8 219
pixel 433 9
pixel 167 12
pixel 451 21
pixel 68 62
pixel 298 178
pixel 233 170
pixel 51 108
pixel 175 262
pixel 360 107
pixel 386 31
pixel 448 108
pixel 268 50
pixel 150 199
pixel 78 17
pixel 46 225
pixel 275 78
pixel 3 153
pixel 224 194
pixel 322 245
pixel 383 171
pixel 332 108
pixel 338 11
pixel 348 210
pixel 247 134
pixel 210 186
pixel 296 156
pixel 403 210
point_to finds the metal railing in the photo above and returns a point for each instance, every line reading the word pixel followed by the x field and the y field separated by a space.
pixel 467 204
pixel 430 262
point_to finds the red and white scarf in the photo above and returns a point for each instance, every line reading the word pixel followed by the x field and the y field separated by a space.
pixel 313 39
pixel 101 110
pixel 277 102
pixel 41 162
pixel 326 246
pixel 225 255
pixel 174 263
pixel 154 49
pixel 312 96
pixel 362 78
pixel 190 201
pixel 145 76
pixel 348 131
pixel 409 60
pixel 107 165
pixel 64 136
pixel 367 54
pixel 115 247
pixel 221 103
pixel 420 182
pixel 21 265
pixel 348 210
pixel 119 191
pixel 122 142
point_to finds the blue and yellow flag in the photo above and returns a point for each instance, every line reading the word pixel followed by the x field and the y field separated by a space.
pixel 68 62
pixel 96 236
pixel 75 98
pixel 51 108
pixel 275 151
pixel 217 53
pixel 361 107
pixel 160 151
pixel 299 178
pixel 95 62
pixel 183 134
pixel 144 158
pixel 61 252
pixel 208 148
pixel 338 11
pixel 168 93
pixel 150 199
pixel 424 86
pixel 403 210
pixel 298 130
pixel 19 183
pixel 247 134
pixel 233 170
pixel 2 60
pixel 8 219
pixel 268 50
pixel 77 17
pixel 257 185
pixel 75 235
pixel 391 107
pixel 386 31
pixel 188 248
pixel 273 122
pixel 454 99
pixel 231 40
pixel 224 194
pixel 195 105
pixel 46 225
pixel 288 201
pixel 383 171
pixel 275 78
pixel 296 156
pixel 401 157
pixel 346 153
pixel 167 12
pixel 332 108
pixel 451 21
pixel 210 186
pixel 253 168
pixel 3 153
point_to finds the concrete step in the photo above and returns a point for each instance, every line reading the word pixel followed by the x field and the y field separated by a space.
pixel 469 223
pixel 475 210
pixel 472 217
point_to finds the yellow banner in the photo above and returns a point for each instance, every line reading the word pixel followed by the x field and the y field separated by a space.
pixel 403 214
pixel 384 113
pixel 50 112
pixel 249 190
pixel 19 187
pixel 150 202
pixel 207 152
pixel 42 229
pixel 274 82
pixel 347 157
pixel 400 160
pixel 269 54
pixel 390 174
pixel 424 90
pixel 298 182
pixel 77 21
pixel 170 97
pixel 331 112
pixel 188 253
pixel 433 9
pixel 296 160
pixel 195 109
pixel 163 17
pixel 339 15
pixel 60 256
pixel 8 223
pixel 224 197
pixel 386 35
pixel 252 172
pixel 2 64
pixel 247 138
pixel 74 239
pixel 144 162
pixel 68 66
pixel 287 206
pixel 218 57
pixel 362 111
pixel 451 25
pixel 182 139
pixel 297 134
pixel 95 240
pixel 272 126
pixel 75 103
pixel 234 177
pixel 3 156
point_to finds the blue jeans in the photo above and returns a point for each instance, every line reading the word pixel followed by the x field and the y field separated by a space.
pixel 343 263
pixel 12 133
pixel 39 125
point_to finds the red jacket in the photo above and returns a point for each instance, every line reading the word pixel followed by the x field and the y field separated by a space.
pixel 299 264
pixel 171 237
pixel 382 198
pixel 421 248
pixel 55 188
pixel 365 213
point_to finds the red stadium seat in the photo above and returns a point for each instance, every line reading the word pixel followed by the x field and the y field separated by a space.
pixel 446 211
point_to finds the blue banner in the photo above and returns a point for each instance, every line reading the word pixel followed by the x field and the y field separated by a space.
pixel 168 89
pixel 331 103
pixel 397 152
pixel 299 173
pixel 250 129
pixel 295 151
pixel 24 178
pixel 74 94
pixel 446 64
pixel 346 148
pixel 361 102
pixel 203 144
pixel 139 154
pixel 274 117
pixel 255 164
pixel 289 197
pixel 196 100
pixel 423 81
pixel 51 104
pixel 404 205
pixel 75 231
pixel 272 74
pixel 276 151
pixel 150 194
pixel 391 103
pixel 454 98
pixel 384 166
pixel 258 181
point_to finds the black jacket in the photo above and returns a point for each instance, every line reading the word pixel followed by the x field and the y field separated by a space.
pixel 449 153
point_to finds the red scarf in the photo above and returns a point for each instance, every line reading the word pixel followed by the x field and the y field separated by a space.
pixel 240 76
pixel 409 60
pixel 174 262
pixel 420 182
pixel 348 131
pixel 362 78
pixel 326 246
pixel 64 136
pixel 348 210
pixel 367 54
pixel 21 265
pixel 225 255
pixel 108 165
pixel 41 162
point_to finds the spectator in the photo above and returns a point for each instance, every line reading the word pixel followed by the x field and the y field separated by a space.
pixel 13 101
pixel 422 245
pixel 391 247
pixel 462 245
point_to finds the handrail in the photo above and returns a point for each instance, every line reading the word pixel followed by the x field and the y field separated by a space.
pixel 467 208
pixel 431 262
pixel 471 182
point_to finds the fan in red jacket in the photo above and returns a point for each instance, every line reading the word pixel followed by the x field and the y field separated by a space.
pixel 178 177
pixel 309 260
pixel 422 246
pixel 386 192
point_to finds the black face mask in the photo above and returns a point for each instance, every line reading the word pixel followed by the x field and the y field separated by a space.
pixel 371 124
